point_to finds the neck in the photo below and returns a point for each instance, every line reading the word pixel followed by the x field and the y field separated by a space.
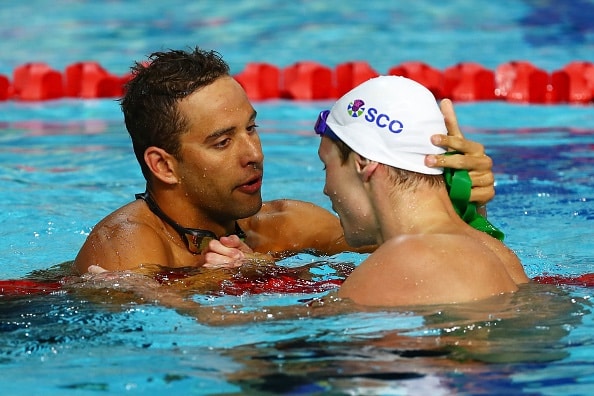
pixel 405 211
pixel 166 215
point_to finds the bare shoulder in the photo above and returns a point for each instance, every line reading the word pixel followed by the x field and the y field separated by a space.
pixel 123 240
pixel 291 207
pixel 406 257
pixel 283 212
pixel 288 226
pixel 394 275
pixel 427 269
pixel 510 260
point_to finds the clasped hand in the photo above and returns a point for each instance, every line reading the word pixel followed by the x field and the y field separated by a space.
pixel 229 252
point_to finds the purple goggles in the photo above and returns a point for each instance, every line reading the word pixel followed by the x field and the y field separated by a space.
pixel 322 128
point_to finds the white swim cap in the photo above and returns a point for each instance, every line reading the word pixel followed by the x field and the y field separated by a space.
pixel 390 119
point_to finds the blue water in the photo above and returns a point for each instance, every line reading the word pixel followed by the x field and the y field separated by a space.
pixel 546 33
pixel 65 164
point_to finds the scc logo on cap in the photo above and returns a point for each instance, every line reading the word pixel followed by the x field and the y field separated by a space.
pixel 357 108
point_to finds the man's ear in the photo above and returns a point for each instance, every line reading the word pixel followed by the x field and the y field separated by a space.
pixel 365 167
pixel 162 164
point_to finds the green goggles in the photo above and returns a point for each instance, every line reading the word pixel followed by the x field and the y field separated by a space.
pixel 458 184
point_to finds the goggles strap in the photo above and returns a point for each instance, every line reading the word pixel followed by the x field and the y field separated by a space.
pixel 182 231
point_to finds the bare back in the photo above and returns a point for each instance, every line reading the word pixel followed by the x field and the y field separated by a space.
pixel 434 269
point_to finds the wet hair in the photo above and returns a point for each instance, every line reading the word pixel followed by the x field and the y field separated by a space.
pixel 150 102
pixel 400 177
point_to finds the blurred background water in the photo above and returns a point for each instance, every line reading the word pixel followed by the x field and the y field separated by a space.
pixel 384 33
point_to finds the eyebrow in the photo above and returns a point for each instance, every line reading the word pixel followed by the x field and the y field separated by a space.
pixel 226 131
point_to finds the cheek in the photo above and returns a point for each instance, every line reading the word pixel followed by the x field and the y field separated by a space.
pixel 203 179
pixel 331 186
pixel 194 176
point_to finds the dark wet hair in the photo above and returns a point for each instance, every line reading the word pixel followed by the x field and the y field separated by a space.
pixel 150 104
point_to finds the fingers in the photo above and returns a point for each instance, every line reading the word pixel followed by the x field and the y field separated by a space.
pixel 472 162
pixel 482 195
pixel 482 179
pixel 480 170
pixel 99 278
pixel 447 109
pixel 455 141
pixel 213 261
pixel 233 241
pixel 458 143
pixel 228 252
pixel 472 157
pixel 95 269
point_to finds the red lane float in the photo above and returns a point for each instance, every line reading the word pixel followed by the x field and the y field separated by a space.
pixel 521 82
pixel 469 82
pixel 515 81
pixel 16 287
pixel 37 81
pixel 307 81
pixel 351 74
pixel 90 80
pixel 270 284
pixel 282 284
pixel 426 75
pixel 234 287
pixel 260 80
pixel 585 280
pixel 4 86
pixel 580 76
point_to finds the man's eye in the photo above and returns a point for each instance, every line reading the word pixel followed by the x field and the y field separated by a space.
pixel 222 143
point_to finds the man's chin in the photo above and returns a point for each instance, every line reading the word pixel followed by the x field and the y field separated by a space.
pixel 251 210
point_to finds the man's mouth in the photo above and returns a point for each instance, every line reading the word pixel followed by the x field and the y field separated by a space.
pixel 252 186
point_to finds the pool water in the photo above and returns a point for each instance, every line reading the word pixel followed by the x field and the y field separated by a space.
pixel 65 164
pixel 61 177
